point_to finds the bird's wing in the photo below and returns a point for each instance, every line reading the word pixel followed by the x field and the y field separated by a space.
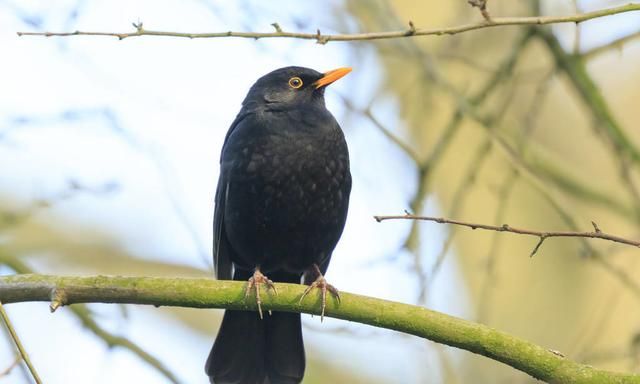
pixel 221 247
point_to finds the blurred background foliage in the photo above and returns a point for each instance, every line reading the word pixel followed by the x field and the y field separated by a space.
pixel 109 157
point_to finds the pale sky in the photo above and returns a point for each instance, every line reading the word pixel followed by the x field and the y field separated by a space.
pixel 150 114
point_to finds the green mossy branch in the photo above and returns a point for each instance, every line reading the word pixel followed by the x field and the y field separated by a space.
pixel 82 313
pixel 537 361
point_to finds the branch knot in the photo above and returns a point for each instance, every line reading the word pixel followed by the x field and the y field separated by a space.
pixel 320 39
pixel 58 299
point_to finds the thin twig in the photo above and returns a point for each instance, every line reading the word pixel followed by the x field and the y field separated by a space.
pixel 112 340
pixel 592 254
pixel 367 112
pixel 542 235
pixel 484 149
pixel 615 44
pixel 325 38
pixel 504 194
pixel 7 371
pixel 18 343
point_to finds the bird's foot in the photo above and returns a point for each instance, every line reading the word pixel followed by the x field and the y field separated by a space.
pixel 254 283
pixel 321 283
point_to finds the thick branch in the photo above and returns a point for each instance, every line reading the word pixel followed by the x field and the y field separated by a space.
pixel 87 320
pixel 539 362
pixel 541 235
pixel 325 38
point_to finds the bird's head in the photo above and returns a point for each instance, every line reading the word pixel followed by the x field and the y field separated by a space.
pixel 292 86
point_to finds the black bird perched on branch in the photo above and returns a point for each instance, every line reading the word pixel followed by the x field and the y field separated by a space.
pixel 281 206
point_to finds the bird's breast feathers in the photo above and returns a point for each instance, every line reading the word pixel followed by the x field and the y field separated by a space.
pixel 284 148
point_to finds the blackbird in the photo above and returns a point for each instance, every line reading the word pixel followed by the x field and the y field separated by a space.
pixel 280 208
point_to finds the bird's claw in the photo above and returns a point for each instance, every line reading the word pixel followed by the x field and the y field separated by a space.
pixel 321 283
pixel 254 283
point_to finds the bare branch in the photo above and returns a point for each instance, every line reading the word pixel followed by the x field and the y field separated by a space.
pixel 500 76
pixel 16 340
pixel 384 130
pixel 542 235
pixel 325 38
pixel 618 273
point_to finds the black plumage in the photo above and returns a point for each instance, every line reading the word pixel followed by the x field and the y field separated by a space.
pixel 281 206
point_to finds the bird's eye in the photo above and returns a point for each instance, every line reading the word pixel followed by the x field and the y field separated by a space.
pixel 295 82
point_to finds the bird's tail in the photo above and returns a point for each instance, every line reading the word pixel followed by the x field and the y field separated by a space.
pixel 250 350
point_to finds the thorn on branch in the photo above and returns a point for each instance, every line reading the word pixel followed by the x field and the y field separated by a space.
pixel 482 6
pixel 321 39
pixel 412 29
pixel 595 227
pixel 537 247
pixel 277 27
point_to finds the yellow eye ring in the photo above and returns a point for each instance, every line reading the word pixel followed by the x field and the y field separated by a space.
pixel 295 82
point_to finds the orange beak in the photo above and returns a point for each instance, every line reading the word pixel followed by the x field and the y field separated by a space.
pixel 331 76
